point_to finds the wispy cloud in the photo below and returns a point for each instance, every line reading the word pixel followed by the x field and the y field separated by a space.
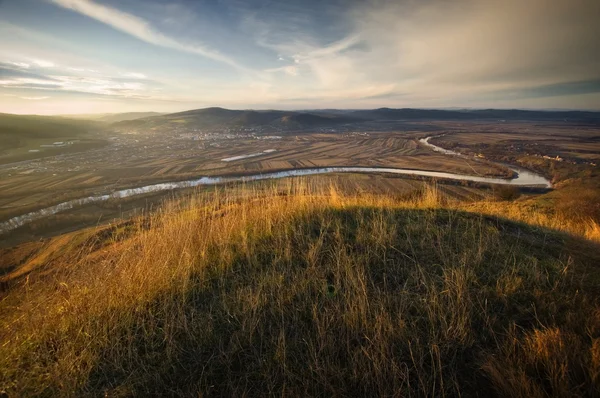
pixel 290 70
pixel 126 85
pixel 141 29
pixel 34 98
pixel 339 53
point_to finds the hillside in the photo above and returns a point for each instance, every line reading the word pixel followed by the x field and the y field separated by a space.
pixel 213 118
pixel 17 130
pixel 119 117
pixel 20 133
pixel 210 118
pixel 113 117
pixel 302 292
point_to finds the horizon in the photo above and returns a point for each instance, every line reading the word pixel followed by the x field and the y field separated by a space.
pixel 457 109
pixel 180 55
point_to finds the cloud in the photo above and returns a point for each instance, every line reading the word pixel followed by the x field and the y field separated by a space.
pixel 34 98
pixel 555 90
pixel 356 53
pixel 8 71
pixel 439 53
pixel 334 48
pixel 135 75
pixel 131 85
pixel 140 29
pixel 42 63
pixel 38 81
pixel 20 64
pixel 289 70
pixel 483 44
pixel 82 70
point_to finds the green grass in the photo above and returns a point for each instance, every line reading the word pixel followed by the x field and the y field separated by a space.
pixel 308 293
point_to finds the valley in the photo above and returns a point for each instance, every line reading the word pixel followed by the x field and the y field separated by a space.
pixel 148 153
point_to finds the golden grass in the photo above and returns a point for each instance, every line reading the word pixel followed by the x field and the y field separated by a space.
pixel 528 212
pixel 310 292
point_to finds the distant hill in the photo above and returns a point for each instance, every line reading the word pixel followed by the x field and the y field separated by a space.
pixel 114 117
pixel 210 118
pixel 475 114
pixel 18 130
pixel 118 117
pixel 227 118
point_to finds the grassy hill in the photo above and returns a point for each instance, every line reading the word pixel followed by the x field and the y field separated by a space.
pixel 209 118
pixel 17 130
pixel 19 133
pixel 303 292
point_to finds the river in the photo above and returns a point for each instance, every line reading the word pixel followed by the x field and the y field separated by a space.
pixel 524 178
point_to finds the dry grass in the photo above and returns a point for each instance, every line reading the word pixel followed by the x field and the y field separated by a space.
pixel 304 292
pixel 530 212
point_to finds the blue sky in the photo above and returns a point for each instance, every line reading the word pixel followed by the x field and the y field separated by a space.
pixel 92 56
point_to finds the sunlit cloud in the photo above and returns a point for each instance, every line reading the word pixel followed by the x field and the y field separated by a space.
pixel 34 98
pixel 42 63
pixel 86 70
pixel 371 53
pixel 25 81
pixel 135 75
pixel 104 85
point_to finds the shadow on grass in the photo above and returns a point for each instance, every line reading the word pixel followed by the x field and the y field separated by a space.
pixel 360 302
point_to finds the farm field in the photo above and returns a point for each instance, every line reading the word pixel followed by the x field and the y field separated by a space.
pixel 576 144
pixel 34 184
pixel 138 158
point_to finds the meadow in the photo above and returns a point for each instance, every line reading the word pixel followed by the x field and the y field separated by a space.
pixel 307 289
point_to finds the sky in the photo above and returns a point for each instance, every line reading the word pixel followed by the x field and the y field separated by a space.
pixel 108 56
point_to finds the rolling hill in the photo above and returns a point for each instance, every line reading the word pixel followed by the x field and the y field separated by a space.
pixel 27 137
pixel 213 118
pixel 113 117
pixel 307 293
pixel 226 118
pixel 18 131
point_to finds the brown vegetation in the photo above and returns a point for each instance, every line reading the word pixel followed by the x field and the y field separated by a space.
pixel 304 292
